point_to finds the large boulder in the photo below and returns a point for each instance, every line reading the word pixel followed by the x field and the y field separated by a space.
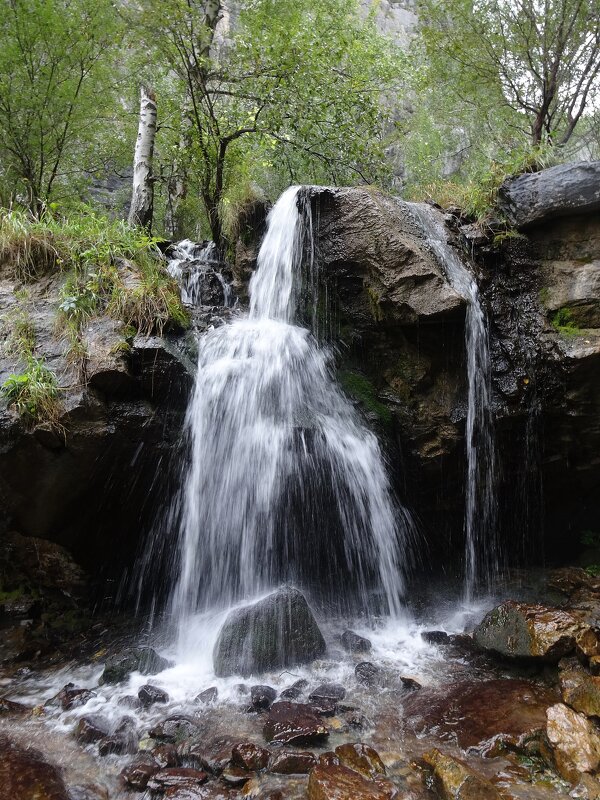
pixel 334 782
pixel 519 630
pixel 454 780
pixel 276 632
pixel 556 192
pixel 575 741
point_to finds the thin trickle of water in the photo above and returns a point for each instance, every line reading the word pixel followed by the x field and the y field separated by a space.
pixel 482 559
pixel 193 266
pixel 285 482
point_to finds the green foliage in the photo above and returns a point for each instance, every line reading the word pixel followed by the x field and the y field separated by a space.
pixel 360 388
pixel 57 83
pixel 564 323
pixel 34 393
pixel 19 339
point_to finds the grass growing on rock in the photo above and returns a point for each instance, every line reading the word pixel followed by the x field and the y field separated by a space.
pixel 562 320
pixel 34 393
pixel 360 388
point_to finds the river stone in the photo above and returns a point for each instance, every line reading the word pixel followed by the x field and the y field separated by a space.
pixel 250 756
pixel 340 783
pixel 175 728
pixel 353 643
pixel 213 756
pixel 91 728
pixel 26 775
pixel 173 777
pixel 292 762
pixel 208 696
pixel 139 771
pixel 261 697
pixel 555 192
pixel 277 632
pixel 361 758
pixel 140 659
pixel 294 723
pixel 581 691
pixel 235 776
pixel 575 741
pixel 454 780
pixel 71 696
pixel 368 674
pixel 519 630
pixel 327 691
pixel 150 694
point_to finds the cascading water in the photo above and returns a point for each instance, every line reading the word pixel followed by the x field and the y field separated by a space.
pixel 481 557
pixel 285 482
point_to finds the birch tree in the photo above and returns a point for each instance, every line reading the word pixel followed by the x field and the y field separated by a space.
pixel 142 197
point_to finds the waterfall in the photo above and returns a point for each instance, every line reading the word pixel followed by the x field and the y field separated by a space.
pixel 482 559
pixel 285 482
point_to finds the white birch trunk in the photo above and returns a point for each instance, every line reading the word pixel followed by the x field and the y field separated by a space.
pixel 142 198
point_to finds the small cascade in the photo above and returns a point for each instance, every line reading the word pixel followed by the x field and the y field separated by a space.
pixel 482 561
pixel 196 268
pixel 285 483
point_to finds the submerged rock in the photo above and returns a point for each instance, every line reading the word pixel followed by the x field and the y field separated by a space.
pixel 354 643
pixel 140 659
pixel 139 771
pixel 250 756
pixel 368 674
pixel 175 777
pixel 71 696
pixel 279 631
pixel 454 780
pixel 519 630
pixel 361 758
pixel 262 697
pixel 208 696
pixel 340 783
pixel 294 723
pixel 575 742
pixel 91 728
pixel 292 762
pixel 148 695
pixel 25 774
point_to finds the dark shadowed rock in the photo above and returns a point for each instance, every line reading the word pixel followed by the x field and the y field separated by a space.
pixel 71 696
pixel 140 659
pixel 435 637
pixel 292 762
pixel 294 723
pixel 327 691
pixel 279 631
pixel 175 728
pixel 212 755
pixel 261 697
pixel 175 777
pixel 354 643
pixel 250 756
pixel 208 696
pixel 166 755
pixel 519 630
pixel 139 771
pixel 149 695
pixel 555 192
pixel 340 783
pixel 368 674
pixel 91 728
pixel 235 776
pixel 26 775
pixel 13 708
pixel 294 691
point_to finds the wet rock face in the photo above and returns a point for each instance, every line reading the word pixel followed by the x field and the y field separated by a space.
pixel 279 631
pixel 294 723
pixel 519 630
pixel 575 741
pixel 25 775
pixel 556 192
pixel 455 781
pixel 341 783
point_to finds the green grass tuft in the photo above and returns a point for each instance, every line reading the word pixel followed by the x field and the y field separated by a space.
pixel 360 388
pixel 34 393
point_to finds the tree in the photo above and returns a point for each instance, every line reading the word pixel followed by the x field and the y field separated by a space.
pixel 296 82
pixel 54 84
pixel 539 59
pixel 142 196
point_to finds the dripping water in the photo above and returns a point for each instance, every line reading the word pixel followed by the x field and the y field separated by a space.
pixel 482 561
pixel 285 482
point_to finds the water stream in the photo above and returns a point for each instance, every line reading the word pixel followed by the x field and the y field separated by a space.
pixel 285 482
pixel 482 558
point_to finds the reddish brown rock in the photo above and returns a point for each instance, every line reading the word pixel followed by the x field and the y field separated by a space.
pixel 581 691
pixel 292 762
pixel 91 729
pixel 294 723
pixel 250 756
pixel 472 713
pixel 235 776
pixel 176 777
pixel 575 742
pixel 12 707
pixel 361 758
pixel 341 783
pixel 213 755
pixel 138 773
pixel 71 696
pixel 26 775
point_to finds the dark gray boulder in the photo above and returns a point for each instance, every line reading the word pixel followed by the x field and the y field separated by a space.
pixel 138 659
pixel 556 192
pixel 278 631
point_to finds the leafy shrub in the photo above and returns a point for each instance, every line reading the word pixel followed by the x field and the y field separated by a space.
pixel 34 393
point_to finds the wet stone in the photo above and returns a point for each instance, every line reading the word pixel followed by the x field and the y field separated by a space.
pixel 327 691
pixel 368 674
pixel 235 776
pixel 581 691
pixel 165 755
pixel 176 777
pixel 213 755
pixel 329 759
pixel 353 643
pixel 88 792
pixel 292 762
pixel 575 742
pixel 325 707
pixel 410 684
pixel 361 758
pixel 294 723
pixel 91 729
pixel 114 745
pixel 149 695
pixel 261 697
pixel 138 773
pixel 129 701
pixel 250 756
pixel 294 691
pixel 175 728
pixel 341 783
pixel 12 707
pixel 454 780
pixel 208 696
pixel 26 775
pixel 435 637
pixel 140 659
pixel 71 696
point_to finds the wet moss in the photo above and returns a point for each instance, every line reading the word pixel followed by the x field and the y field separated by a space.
pixel 360 388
